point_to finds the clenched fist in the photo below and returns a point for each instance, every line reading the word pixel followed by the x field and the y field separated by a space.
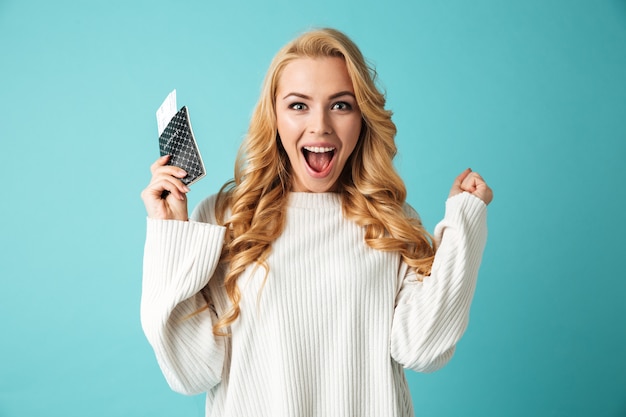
pixel 474 184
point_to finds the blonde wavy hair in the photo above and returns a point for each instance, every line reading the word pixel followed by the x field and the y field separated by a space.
pixel 373 194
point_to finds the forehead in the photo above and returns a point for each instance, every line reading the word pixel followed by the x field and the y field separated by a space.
pixel 310 75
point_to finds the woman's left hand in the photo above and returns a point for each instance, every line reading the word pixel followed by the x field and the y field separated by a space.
pixel 474 184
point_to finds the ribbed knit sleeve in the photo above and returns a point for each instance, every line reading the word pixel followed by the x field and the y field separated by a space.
pixel 431 316
pixel 179 259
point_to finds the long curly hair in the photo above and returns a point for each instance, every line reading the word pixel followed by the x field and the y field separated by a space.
pixel 252 206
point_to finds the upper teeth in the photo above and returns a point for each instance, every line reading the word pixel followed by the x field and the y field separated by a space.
pixel 318 149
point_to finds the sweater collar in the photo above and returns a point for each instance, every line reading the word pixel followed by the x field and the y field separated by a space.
pixel 314 200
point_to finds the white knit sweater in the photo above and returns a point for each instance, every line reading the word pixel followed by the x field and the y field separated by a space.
pixel 328 333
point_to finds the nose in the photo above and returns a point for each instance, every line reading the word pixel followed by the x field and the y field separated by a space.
pixel 320 123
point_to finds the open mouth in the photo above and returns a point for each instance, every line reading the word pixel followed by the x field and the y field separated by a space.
pixel 318 158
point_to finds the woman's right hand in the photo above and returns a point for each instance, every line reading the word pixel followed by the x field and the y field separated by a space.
pixel 166 181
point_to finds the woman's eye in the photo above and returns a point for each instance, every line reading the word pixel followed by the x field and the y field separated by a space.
pixel 297 106
pixel 342 105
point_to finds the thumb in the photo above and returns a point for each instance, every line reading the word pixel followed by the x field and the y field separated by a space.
pixel 457 184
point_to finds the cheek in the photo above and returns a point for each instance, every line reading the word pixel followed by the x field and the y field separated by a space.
pixel 354 132
pixel 287 140
pixel 279 123
pixel 286 125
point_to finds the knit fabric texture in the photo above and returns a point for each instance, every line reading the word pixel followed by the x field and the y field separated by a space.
pixel 331 328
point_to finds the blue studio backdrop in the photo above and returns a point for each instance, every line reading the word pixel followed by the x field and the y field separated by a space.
pixel 530 93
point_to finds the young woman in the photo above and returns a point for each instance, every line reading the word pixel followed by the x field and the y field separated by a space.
pixel 307 284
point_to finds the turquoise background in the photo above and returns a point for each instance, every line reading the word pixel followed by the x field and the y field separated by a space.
pixel 530 93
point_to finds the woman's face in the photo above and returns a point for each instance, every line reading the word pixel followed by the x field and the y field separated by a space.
pixel 318 120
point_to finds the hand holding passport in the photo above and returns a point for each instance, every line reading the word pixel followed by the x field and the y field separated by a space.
pixel 177 140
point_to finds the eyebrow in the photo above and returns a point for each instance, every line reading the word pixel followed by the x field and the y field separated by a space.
pixel 332 97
